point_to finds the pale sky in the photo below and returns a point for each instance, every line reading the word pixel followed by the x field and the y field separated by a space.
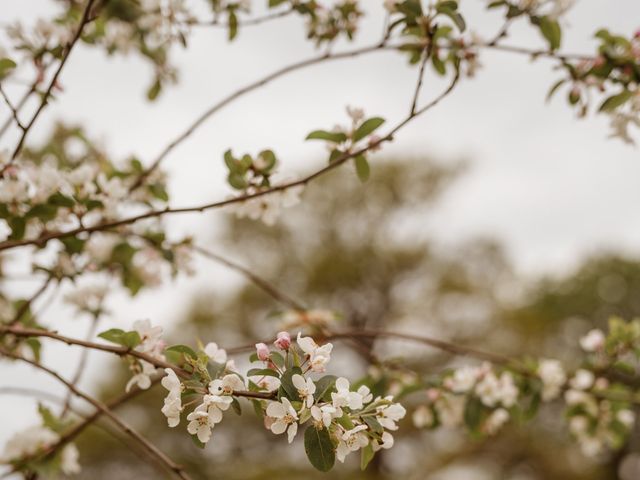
pixel 551 187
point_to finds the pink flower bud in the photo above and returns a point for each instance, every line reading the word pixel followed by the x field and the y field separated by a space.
pixel 283 341
pixel 263 351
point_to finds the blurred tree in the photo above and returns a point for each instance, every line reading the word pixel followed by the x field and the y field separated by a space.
pixel 366 252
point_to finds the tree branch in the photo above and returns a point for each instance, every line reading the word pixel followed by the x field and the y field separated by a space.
pixel 148 446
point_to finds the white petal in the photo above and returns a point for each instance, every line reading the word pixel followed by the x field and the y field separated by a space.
pixel 276 410
pixel 278 427
pixel 291 433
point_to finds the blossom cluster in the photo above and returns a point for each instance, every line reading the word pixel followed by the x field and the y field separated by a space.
pixel 598 410
pixel 288 391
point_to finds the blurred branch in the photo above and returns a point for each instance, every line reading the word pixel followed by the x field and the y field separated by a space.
pixel 27 304
pixel 148 446
pixel 84 356
pixel 14 111
pixel 244 23
pixel 260 282
pixel 54 80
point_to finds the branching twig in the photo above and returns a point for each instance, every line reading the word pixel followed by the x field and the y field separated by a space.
pixel 52 84
pixel 14 110
pixel 148 446
pixel 248 88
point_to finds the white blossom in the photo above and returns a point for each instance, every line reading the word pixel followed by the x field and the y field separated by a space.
pixel 305 387
pixel 215 353
pixel 422 417
pixel 226 385
pixel 318 356
pixel 582 380
pixel 389 414
pixel 344 397
pixel 553 378
pixel 351 441
pixel 493 390
pixel 325 413
pixel 172 403
pixel 496 420
pixel 593 341
pixel 283 417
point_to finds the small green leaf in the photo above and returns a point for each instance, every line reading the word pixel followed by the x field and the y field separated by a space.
pixel 235 404
pixel 366 455
pixel 184 349
pixel 113 335
pixel 551 31
pixel 237 181
pixel 455 17
pixel 367 128
pixel 555 88
pixel 255 372
pixel 233 25
pixel 154 90
pixel 324 386
pixel 286 383
pixel 131 339
pixel 6 65
pixel 616 101
pixel 319 449
pixel 362 168
pixel 335 137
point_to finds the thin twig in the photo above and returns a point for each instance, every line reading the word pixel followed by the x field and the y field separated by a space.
pixel 148 446
pixel 84 357
pixel 260 282
pixel 243 23
pixel 14 110
pixel 52 84
pixel 248 88
pixel 27 304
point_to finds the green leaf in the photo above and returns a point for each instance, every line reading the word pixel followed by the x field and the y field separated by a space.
pixel 277 359
pixel 473 413
pixel 324 386
pixel 615 101
pixel 374 425
pixel 366 455
pixel 113 335
pixel 35 346
pixel 131 339
pixel 319 449
pixel 184 349
pixel 269 159
pixel 551 31
pixel 286 383
pixel 6 65
pixel 367 128
pixel 254 372
pixel 275 3
pixel 335 137
pixel 362 168
pixel 235 404
pixel 455 17
pixel 154 90
pixel 233 25
pixel 237 181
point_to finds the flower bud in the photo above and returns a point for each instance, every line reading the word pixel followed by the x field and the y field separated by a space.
pixel 263 351
pixel 283 341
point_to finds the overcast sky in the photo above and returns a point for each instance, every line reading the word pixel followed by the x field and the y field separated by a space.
pixel 551 187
